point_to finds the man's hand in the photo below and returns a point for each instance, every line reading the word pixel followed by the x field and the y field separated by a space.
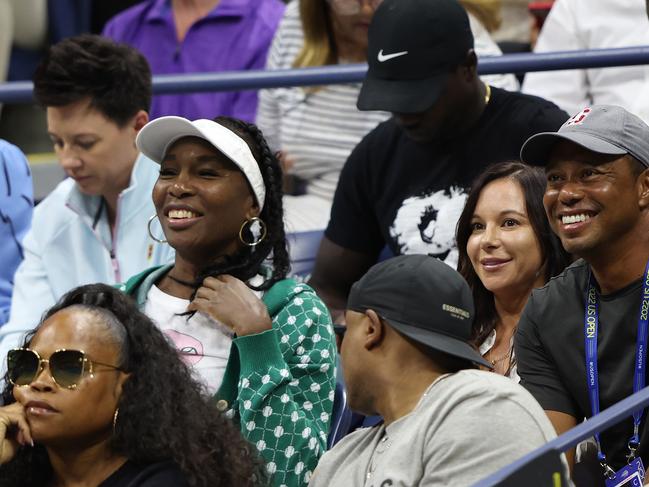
pixel 229 301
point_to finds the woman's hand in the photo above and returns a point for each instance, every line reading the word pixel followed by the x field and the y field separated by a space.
pixel 13 416
pixel 229 301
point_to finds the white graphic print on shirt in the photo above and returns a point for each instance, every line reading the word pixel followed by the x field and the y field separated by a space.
pixel 425 224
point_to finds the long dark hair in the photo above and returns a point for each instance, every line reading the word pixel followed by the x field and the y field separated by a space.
pixel 163 412
pixel 247 262
pixel 555 258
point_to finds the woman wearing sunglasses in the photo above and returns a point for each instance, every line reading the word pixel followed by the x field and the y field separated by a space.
pixel 263 344
pixel 97 396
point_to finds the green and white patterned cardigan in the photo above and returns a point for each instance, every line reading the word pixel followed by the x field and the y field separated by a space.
pixel 279 384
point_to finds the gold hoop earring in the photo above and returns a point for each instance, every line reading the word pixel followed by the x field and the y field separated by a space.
pixel 115 416
pixel 262 231
pixel 153 237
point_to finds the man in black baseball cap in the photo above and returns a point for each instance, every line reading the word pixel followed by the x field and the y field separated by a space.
pixel 405 184
pixel 406 356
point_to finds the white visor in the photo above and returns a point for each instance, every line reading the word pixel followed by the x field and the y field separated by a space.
pixel 157 136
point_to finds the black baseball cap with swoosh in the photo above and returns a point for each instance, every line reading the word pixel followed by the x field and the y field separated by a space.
pixel 412 47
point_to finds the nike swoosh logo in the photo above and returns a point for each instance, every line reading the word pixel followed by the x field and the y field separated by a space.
pixel 386 57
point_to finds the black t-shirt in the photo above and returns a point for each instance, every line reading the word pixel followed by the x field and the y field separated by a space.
pixel 410 195
pixel 163 474
pixel 550 353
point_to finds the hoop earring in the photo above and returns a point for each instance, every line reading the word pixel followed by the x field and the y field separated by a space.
pixel 148 227
pixel 248 223
pixel 115 416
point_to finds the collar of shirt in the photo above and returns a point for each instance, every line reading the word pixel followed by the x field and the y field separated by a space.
pixel 160 11
pixel 488 343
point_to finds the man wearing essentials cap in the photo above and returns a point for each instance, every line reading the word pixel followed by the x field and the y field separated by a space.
pixel 405 184
pixel 592 317
pixel 405 356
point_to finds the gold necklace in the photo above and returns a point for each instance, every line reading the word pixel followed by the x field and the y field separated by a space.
pixel 496 360
pixel 487 95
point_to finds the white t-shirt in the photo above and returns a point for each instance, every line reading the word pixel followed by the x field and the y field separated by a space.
pixel 203 342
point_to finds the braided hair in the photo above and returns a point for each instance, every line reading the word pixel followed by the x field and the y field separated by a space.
pixel 246 263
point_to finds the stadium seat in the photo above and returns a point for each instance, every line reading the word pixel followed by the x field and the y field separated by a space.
pixel 341 417
pixel 303 248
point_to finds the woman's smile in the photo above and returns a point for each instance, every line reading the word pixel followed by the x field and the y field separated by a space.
pixel 179 217
pixel 492 264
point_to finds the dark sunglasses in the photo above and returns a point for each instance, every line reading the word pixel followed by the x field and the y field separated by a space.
pixel 67 367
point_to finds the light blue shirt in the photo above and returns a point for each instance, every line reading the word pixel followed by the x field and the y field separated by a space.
pixel 71 244
pixel 16 204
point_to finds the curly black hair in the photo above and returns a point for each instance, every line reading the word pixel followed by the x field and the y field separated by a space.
pixel 164 414
pixel 116 77
pixel 247 263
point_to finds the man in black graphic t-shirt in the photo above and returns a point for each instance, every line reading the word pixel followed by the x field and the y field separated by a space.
pixel 597 202
pixel 405 184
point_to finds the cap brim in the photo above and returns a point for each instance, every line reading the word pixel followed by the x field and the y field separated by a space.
pixel 536 150
pixel 441 343
pixel 155 137
pixel 400 96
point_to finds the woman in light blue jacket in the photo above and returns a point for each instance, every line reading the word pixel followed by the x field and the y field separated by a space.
pixel 93 226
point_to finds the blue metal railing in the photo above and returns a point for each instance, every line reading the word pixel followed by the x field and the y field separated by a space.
pixel 21 91
pixel 604 420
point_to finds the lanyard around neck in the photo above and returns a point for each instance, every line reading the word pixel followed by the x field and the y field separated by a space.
pixel 591 328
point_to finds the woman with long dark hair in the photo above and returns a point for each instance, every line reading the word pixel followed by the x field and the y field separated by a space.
pixel 506 248
pixel 263 344
pixel 96 395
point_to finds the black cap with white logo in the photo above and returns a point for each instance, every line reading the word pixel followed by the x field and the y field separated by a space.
pixel 422 298
pixel 412 47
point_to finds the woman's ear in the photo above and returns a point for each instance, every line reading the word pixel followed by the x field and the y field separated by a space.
pixel 253 211
pixel 121 380
pixel 140 119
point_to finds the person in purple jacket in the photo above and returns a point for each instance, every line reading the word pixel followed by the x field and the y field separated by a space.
pixel 192 36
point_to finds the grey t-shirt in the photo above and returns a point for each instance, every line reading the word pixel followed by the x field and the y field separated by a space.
pixel 466 426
